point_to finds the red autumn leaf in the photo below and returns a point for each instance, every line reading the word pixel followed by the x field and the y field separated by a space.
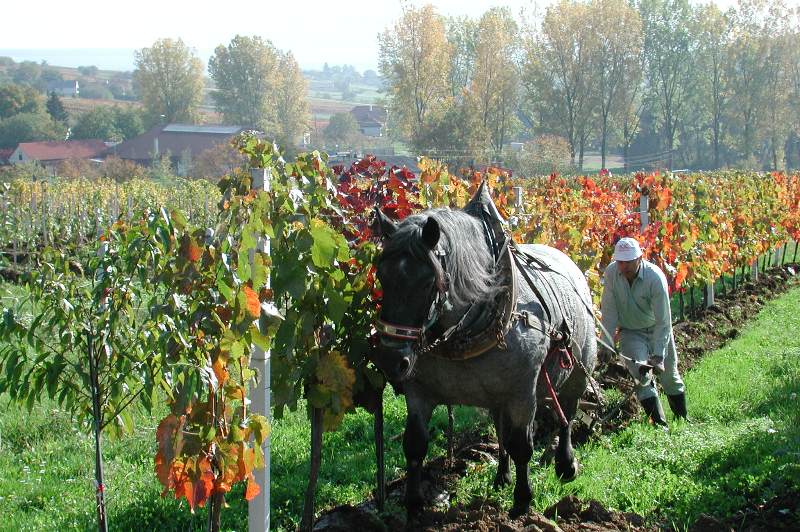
pixel 195 252
pixel 220 370
pixel 253 304
pixel 680 276
pixel 253 489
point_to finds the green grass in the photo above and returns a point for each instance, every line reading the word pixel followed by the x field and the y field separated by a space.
pixel 743 445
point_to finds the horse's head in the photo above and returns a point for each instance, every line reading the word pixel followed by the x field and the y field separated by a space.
pixel 414 291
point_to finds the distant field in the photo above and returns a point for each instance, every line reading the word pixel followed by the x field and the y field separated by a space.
pixel 78 106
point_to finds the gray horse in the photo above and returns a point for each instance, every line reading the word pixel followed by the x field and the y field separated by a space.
pixel 450 333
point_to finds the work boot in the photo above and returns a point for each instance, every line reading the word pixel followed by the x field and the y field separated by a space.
pixel 652 407
pixel 677 403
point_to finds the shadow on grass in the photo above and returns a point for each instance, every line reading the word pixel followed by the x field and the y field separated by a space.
pixel 755 467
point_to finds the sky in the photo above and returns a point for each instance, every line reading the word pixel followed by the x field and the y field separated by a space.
pixel 315 31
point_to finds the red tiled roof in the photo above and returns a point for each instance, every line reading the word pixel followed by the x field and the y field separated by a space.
pixel 5 153
pixel 57 151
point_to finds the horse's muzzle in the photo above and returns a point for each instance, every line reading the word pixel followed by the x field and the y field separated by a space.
pixel 395 358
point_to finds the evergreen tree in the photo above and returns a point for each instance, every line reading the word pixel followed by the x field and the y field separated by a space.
pixel 56 109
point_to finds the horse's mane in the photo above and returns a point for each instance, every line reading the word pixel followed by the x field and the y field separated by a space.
pixel 468 260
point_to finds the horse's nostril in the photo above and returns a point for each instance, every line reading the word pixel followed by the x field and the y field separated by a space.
pixel 403 365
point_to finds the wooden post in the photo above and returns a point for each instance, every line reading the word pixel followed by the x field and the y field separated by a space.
pixel 754 270
pixel 258 510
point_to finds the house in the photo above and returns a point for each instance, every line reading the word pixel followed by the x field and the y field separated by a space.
pixel 180 141
pixel 50 153
pixel 371 119
pixel 64 88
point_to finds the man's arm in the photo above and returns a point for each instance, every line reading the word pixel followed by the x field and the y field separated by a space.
pixel 608 307
pixel 662 313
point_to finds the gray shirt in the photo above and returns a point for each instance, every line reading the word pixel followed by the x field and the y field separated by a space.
pixel 643 304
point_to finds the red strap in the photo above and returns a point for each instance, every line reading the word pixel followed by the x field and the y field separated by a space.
pixel 565 361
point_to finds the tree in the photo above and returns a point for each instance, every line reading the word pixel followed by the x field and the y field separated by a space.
pixel 543 155
pixel 414 59
pixel 128 122
pixel 15 99
pixel 97 123
pixel 462 34
pixel 27 73
pixel 29 127
pixel 493 89
pixel 669 49
pixel 291 101
pixel 713 29
pixel 169 79
pixel 556 67
pixel 342 129
pixel 89 71
pixel 615 52
pixel 56 109
pixel 244 73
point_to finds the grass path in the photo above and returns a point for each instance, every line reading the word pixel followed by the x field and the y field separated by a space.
pixel 743 445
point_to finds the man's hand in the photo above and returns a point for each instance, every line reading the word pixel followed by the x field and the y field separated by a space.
pixel 605 355
pixel 657 363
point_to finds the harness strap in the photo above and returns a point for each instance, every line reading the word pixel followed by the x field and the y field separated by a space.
pixel 565 360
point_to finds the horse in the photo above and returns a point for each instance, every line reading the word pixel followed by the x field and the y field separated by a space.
pixel 463 323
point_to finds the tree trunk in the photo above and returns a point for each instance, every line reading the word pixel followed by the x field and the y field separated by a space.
pixel 215 512
pixel 307 521
pixel 102 524
pixel 603 142
pixel 625 150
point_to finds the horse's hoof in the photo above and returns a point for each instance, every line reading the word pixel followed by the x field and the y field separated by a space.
pixel 501 481
pixel 518 510
pixel 570 473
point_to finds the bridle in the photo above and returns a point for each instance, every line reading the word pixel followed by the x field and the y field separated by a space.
pixel 438 303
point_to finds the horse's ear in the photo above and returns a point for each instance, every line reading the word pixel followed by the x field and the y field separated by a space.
pixel 431 232
pixel 386 227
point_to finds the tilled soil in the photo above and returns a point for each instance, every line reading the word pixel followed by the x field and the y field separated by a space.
pixel 702 332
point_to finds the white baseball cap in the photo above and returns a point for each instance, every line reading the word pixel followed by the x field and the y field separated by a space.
pixel 627 249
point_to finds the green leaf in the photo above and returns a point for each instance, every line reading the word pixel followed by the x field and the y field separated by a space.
pixel 259 272
pixel 237 350
pixel 260 427
pixel 259 339
pixel 337 306
pixel 323 250
pixel 225 289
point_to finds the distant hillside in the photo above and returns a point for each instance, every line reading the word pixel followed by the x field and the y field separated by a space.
pixel 331 90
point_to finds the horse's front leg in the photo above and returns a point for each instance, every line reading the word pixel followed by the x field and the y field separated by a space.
pixel 415 447
pixel 518 438
pixel 503 476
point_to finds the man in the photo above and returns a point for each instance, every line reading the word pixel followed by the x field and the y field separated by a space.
pixel 636 302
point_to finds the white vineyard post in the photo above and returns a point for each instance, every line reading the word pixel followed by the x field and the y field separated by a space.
pixel 644 213
pixel 45 214
pixel 778 256
pixel 258 512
